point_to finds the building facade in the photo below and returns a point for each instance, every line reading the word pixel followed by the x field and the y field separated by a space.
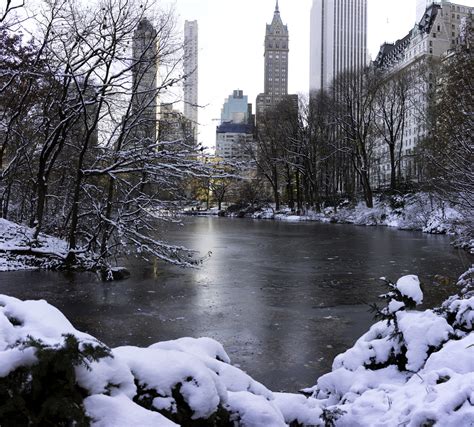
pixel 338 40
pixel 236 109
pixel 276 57
pixel 174 126
pixel 144 76
pixel 417 55
pixel 191 73
pixel 234 142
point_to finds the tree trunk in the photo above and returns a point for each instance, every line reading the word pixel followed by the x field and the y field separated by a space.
pixel 393 169
pixel 368 195
pixel 41 191
pixel 276 195
pixel 108 216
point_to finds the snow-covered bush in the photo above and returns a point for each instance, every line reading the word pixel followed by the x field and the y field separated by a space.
pixel 412 368
pixel 53 374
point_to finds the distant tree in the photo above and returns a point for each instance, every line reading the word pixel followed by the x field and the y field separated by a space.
pixel 273 152
pixel 391 106
pixel 354 94
pixel 222 179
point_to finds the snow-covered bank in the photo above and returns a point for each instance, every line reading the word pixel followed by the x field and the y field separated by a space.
pixel 411 368
pixel 18 253
pixel 410 212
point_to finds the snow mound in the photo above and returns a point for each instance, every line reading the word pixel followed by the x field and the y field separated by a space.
pixel 409 286
pixel 120 411
pixel 411 368
pixel 168 383
pixel 17 251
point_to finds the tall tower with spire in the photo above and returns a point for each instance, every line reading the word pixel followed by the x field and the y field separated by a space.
pixel 276 63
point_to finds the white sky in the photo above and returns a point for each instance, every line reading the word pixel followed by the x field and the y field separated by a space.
pixel 231 36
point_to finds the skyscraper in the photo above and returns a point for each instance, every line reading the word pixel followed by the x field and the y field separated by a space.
pixel 191 74
pixel 276 63
pixel 338 39
pixel 144 74
pixel 236 109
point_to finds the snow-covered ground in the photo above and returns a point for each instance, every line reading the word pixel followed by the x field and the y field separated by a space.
pixel 410 212
pixel 412 368
pixel 18 253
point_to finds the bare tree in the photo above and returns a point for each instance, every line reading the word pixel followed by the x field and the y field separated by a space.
pixel 391 105
pixel 97 170
pixel 449 150
pixel 354 93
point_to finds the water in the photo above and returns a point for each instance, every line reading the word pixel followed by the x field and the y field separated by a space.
pixel 283 298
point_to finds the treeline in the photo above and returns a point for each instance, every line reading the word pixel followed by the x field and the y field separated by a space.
pixel 76 104
pixel 352 140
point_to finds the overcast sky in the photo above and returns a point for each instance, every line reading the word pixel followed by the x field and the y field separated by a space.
pixel 231 36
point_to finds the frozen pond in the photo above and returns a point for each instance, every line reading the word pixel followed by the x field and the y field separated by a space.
pixel 283 298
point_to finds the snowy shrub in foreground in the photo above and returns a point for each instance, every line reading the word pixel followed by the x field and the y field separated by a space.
pixel 411 368
pixel 50 373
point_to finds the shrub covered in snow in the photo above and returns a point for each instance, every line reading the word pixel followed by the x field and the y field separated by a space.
pixel 53 374
pixel 411 368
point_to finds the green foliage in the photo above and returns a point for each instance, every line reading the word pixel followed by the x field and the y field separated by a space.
pixel 181 414
pixel 330 416
pixel 47 392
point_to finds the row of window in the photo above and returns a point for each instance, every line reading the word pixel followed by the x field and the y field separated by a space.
pixel 277 56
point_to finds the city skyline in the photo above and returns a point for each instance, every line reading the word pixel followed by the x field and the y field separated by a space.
pixel 231 45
